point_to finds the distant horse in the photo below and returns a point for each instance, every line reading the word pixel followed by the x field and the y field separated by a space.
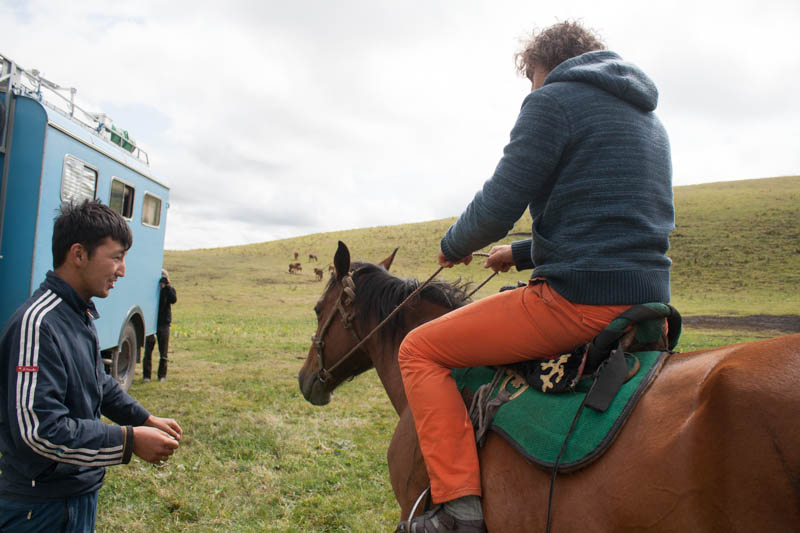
pixel 296 255
pixel 319 272
pixel 312 257
pixel 331 268
pixel 714 445
pixel 294 268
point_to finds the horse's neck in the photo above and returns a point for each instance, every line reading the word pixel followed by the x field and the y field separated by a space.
pixel 384 355
pixel 385 362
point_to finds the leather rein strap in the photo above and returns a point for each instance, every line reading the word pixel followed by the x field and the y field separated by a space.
pixel 346 299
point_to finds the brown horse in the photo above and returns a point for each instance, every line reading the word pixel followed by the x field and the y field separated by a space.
pixel 713 446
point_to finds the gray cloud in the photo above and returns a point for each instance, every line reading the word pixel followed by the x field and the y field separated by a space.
pixel 273 119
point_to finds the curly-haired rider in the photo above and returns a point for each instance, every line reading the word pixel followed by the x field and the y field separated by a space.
pixel 591 161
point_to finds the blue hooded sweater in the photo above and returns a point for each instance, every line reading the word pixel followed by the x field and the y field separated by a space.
pixel 591 161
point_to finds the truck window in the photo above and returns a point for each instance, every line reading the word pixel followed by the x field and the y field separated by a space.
pixel 151 210
pixel 121 199
pixel 78 180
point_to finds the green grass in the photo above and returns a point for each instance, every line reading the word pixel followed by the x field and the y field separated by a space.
pixel 257 457
pixel 736 247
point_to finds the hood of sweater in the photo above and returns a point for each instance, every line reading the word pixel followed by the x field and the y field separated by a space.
pixel 608 71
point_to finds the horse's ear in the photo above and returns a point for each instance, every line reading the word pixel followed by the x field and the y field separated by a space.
pixel 341 261
pixel 386 263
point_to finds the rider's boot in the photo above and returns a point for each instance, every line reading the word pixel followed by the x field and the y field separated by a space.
pixel 462 515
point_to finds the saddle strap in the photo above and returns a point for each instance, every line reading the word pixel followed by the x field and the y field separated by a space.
pixel 483 407
pixel 611 369
pixel 598 350
pixel 607 382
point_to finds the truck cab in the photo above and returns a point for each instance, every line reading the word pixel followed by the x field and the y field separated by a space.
pixel 53 151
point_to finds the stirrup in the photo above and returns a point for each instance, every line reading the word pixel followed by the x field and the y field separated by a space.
pixel 425 523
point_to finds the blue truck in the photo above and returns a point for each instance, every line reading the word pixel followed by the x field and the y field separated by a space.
pixel 54 151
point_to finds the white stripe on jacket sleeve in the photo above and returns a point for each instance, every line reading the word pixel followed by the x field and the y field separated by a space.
pixel 26 389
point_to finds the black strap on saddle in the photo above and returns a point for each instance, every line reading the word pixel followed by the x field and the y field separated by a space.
pixel 606 360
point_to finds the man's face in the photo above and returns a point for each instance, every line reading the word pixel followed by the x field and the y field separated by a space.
pixel 101 271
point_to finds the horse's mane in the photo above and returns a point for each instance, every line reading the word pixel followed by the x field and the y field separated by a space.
pixel 378 293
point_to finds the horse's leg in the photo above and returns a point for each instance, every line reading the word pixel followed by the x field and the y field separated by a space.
pixel 406 465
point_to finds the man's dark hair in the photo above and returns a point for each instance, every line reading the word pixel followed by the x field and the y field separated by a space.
pixel 87 223
pixel 554 45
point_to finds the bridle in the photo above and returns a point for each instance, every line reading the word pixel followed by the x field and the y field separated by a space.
pixel 346 298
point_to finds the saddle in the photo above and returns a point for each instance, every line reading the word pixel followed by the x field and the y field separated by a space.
pixel 537 405
pixel 645 327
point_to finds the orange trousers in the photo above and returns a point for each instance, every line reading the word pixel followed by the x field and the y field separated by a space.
pixel 532 322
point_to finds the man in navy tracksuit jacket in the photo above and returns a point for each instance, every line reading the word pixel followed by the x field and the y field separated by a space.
pixel 53 387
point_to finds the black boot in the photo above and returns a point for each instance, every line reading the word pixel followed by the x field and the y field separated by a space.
pixel 437 520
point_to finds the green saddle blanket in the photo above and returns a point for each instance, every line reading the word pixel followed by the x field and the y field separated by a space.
pixel 536 423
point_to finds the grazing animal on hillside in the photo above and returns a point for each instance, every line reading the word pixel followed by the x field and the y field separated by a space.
pixel 294 268
pixel 714 445
pixel 331 268
pixel 312 257
pixel 319 272
pixel 296 255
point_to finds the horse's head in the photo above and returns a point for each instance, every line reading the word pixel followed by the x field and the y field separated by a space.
pixel 331 358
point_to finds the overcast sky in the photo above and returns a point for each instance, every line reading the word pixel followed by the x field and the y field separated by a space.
pixel 271 119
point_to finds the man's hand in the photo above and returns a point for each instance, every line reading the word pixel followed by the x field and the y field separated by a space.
pixel 152 444
pixel 500 258
pixel 167 425
pixel 445 262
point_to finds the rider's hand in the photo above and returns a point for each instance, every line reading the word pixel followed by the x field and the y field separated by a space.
pixel 445 262
pixel 500 258
pixel 152 444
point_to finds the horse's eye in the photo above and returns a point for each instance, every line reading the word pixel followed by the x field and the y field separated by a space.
pixel 316 311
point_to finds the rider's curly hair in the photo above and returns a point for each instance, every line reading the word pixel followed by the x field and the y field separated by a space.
pixel 554 45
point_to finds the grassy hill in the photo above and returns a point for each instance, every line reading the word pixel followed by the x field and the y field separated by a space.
pixel 736 247
pixel 257 457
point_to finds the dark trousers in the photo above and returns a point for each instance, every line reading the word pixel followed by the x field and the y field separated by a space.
pixel 162 334
pixel 75 514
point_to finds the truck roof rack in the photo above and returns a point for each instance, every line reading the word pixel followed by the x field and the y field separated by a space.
pixel 16 80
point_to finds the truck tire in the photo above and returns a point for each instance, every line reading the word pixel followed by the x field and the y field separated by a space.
pixel 123 365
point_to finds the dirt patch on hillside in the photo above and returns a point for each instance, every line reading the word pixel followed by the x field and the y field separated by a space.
pixel 785 323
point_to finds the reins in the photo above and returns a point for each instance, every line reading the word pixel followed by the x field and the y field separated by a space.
pixel 324 374
pixel 480 254
pixel 348 293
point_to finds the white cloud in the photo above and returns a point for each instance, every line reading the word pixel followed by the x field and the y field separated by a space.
pixel 272 119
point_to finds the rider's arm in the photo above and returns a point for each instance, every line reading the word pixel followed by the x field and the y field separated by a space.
pixel 522 176
pixel 522 253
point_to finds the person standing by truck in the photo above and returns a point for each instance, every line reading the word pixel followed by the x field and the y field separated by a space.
pixel 53 386
pixel 167 297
